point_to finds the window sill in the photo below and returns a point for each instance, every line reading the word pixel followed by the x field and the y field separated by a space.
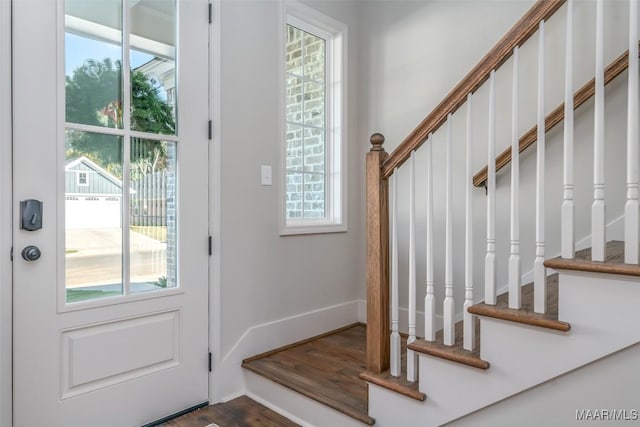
pixel 310 228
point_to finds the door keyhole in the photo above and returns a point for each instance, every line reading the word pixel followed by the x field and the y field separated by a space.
pixel 31 253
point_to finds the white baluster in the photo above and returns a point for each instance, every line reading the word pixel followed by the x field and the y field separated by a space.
pixel 490 259
pixel 515 294
pixel 468 318
pixel 631 232
pixel 568 209
pixel 430 299
pixel 539 271
pixel 395 335
pixel 412 368
pixel 598 237
pixel 449 305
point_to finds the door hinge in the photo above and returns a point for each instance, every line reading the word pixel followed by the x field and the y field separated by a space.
pixel 11 254
pixel 210 13
pixel 210 245
pixel 210 127
pixel 209 361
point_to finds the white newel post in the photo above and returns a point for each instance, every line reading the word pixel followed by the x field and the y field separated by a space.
pixel 568 209
pixel 395 335
pixel 468 326
pixel 430 299
pixel 515 293
pixel 631 233
pixel 449 305
pixel 539 271
pixel 490 259
pixel 412 366
pixel 598 237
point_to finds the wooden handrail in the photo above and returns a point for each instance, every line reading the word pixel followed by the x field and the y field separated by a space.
pixel 501 52
pixel 581 96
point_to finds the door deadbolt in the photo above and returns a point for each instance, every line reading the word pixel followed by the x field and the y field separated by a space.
pixel 31 253
pixel 31 215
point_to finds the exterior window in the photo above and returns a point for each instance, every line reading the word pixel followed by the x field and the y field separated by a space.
pixel 314 176
pixel 83 178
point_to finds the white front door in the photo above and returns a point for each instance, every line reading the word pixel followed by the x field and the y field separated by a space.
pixel 111 319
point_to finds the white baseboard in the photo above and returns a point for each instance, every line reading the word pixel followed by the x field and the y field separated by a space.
pixel 277 409
pixel 227 377
pixel 362 311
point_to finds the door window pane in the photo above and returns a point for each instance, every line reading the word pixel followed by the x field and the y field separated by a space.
pixel 93 62
pixel 93 216
pixel 153 66
pixel 152 236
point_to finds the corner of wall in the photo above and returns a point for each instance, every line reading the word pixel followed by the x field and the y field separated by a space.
pixel 267 336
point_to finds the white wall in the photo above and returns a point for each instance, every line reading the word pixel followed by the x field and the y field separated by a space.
pixel 5 213
pixel 611 383
pixel 414 53
pixel 263 276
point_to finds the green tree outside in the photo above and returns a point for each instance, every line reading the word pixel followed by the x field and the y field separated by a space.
pixel 94 97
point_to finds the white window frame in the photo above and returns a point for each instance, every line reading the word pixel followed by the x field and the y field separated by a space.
pixel 79 181
pixel 335 34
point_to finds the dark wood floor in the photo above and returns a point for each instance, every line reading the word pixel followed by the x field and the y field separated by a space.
pixel 325 369
pixel 239 412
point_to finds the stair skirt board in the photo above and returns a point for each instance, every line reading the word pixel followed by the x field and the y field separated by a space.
pixel 571 395
pixel 293 405
pixel 602 310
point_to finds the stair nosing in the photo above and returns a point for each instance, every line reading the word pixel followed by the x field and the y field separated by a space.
pixel 474 362
pixel 592 266
pixel 510 315
pixel 342 409
pixel 398 388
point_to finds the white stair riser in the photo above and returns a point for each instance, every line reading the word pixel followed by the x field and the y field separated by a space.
pixel 294 405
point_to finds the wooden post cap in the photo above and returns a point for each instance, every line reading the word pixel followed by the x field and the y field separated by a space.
pixel 377 139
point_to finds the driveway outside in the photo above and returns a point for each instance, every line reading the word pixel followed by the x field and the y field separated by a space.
pixel 94 257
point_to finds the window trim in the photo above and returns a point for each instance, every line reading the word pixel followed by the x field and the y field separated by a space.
pixel 335 34
pixel 79 182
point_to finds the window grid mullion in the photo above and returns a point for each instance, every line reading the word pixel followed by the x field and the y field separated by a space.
pixel 325 118
pixel 307 172
pixel 291 122
pixel 302 118
pixel 126 161
pixel 304 78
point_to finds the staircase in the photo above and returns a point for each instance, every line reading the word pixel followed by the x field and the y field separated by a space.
pixel 591 316
pixel 578 312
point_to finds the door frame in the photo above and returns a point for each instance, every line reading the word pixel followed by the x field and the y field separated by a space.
pixel 6 238
pixel 215 163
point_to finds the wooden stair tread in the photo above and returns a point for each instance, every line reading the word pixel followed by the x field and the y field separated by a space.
pixel 397 384
pixel 325 368
pixel 613 262
pixel 241 411
pixel 526 314
pixel 456 352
